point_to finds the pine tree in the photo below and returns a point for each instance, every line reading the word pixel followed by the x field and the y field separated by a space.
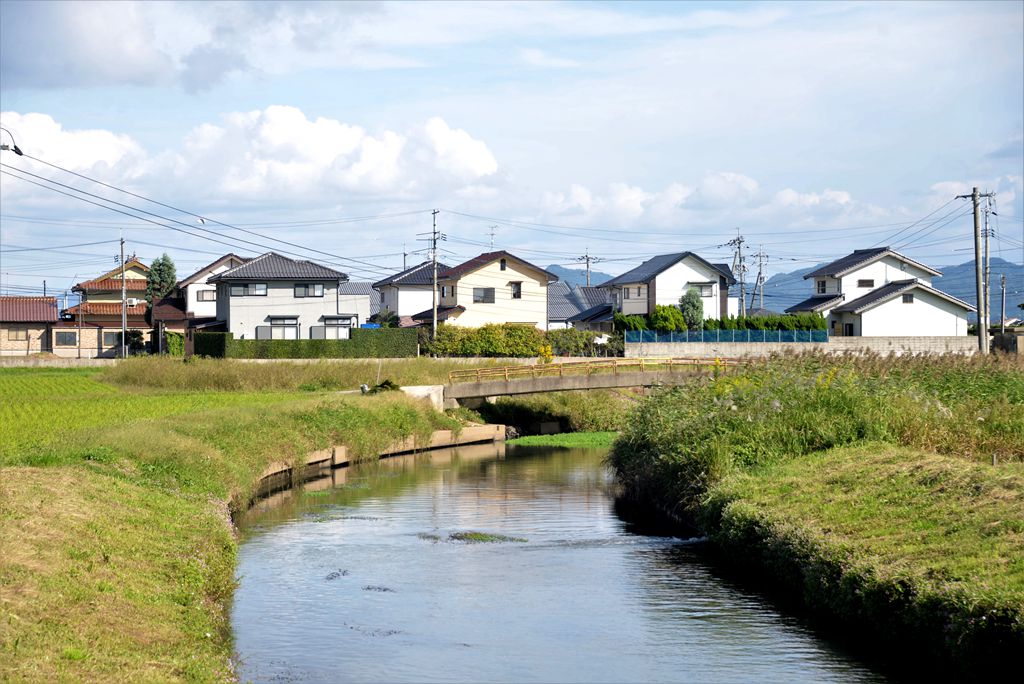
pixel 161 279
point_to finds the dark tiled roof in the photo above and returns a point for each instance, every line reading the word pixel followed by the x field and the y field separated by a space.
pixel 209 267
pixel 891 290
pixel 589 297
pixel 362 289
pixel 169 309
pixel 595 314
pixel 28 309
pixel 420 274
pixel 816 303
pixel 442 313
pixel 561 304
pixel 484 259
pixel 273 266
pixel 860 257
pixel 646 271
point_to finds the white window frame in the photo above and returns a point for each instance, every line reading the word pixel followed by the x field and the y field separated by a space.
pixel 206 295
pixel 308 290
pixel 117 338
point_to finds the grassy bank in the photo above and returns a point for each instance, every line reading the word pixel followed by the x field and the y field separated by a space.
pixel 864 486
pixel 116 548
pixel 589 440
pixel 593 411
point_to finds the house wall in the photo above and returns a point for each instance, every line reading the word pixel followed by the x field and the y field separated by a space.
pixel 927 315
pixel 358 304
pixel 638 303
pixel 885 270
pixel 196 308
pixel 38 339
pixel 531 309
pixel 243 314
pixel 832 285
pixel 92 346
pixel 407 299
pixel 131 273
pixel 672 283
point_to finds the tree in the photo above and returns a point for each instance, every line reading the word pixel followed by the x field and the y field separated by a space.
pixel 385 318
pixel 692 308
pixel 161 279
pixel 667 319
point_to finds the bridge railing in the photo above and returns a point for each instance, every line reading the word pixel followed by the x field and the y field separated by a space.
pixel 589 367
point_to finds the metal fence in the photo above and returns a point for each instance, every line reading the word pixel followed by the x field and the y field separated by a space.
pixel 635 336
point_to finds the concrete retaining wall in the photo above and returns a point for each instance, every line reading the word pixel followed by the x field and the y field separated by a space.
pixel 52 362
pixel 836 345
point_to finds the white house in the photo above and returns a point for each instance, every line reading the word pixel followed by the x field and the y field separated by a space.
pixel 409 292
pixel 199 297
pixel 879 292
pixel 496 287
pixel 664 279
pixel 274 297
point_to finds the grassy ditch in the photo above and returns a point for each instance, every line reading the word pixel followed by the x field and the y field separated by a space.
pixel 568 440
pixel 864 485
pixel 116 547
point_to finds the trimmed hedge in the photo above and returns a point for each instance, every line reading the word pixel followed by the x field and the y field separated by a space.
pixel 364 343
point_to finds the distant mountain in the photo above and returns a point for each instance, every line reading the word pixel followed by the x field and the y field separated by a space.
pixel 574 276
pixel 786 289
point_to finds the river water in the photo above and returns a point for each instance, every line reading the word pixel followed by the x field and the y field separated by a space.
pixel 358 579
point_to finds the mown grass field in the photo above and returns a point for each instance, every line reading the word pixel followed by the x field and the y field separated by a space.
pixel 865 487
pixel 116 546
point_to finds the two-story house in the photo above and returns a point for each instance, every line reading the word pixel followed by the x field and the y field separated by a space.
pixel 879 292
pixel 409 292
pixel 93 327
pixel 664 279
pixel 496 287
pixel 274 297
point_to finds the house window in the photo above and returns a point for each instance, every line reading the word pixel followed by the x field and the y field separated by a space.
pixel 517 290
pixel 625 293
pixel 908 298
pixel 332 329
pixel 18 334
pixel 284 328
pixel 112 339
pixel 483 295
pixel 206 296
pixel 249 290
pixel 444 290
pixel 309 290
pixel 504 264
pixel 66 339
pixel 706 290
pixel 866 283
pixel 821 286
pixel 638 292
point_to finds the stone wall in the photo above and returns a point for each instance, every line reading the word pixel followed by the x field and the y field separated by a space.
pixel 37 338
pixel 835 345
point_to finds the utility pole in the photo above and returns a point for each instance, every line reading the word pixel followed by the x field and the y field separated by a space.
pixel 404 255
pixel 740 268
pixel 1002 312
pixel 762 260
pixel 44 288
pixel 588 260
pixel 493 228
pixel 978 274
pixel 124 307
pixel 433 238
pixel 987 282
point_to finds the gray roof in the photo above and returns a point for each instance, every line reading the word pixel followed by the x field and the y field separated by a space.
pixel 861 257
pixel 816 303
pixel 273 266
pixel 561 304
pixel 595 314
pixel 209 267
pixel 646 271
pixel 590 297
pixel 362 289
pixel 891 290
pixel 420 274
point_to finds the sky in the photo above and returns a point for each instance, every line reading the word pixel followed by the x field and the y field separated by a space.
pixel 330 131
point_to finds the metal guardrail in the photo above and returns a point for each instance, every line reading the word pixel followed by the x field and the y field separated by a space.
pixel 715 336
pixel 547 370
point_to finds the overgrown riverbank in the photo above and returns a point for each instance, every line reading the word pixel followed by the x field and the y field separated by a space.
pixel 865 487
pixel 116 546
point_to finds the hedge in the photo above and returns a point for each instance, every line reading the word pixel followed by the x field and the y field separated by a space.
pixel 363 343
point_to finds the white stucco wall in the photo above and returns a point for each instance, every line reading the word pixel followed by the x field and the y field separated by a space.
pixel 243 314
pixel 927 316
pixel 885 270
pixel 205 309
pixel 531 309
pixel 406 300
pixel 673 282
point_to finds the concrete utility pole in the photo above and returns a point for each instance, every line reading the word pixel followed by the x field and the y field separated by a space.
pixel 975 197
pixel 762 260
pixel 493 228
pixel 987 281
pixel 586 258
pixel 433 237
pixel 1002 307
pixel 124 309
pixel 739 268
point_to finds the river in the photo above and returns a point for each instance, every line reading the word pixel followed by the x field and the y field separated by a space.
pixel 358 578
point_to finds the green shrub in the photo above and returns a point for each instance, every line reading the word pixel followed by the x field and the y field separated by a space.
pixel 213 344
pixel 572 342
pixel 632 322
pixel 667 319
pixel 692 309
pixel 495 339
pixel 175 343
pixel 364 343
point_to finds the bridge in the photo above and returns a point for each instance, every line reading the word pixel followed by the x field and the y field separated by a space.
pixel 474 384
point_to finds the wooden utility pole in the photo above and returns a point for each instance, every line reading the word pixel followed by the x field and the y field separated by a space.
pixel 979 285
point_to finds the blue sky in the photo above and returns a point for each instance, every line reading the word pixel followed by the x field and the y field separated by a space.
pixel 625 129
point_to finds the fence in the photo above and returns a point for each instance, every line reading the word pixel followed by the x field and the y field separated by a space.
pixel 709 336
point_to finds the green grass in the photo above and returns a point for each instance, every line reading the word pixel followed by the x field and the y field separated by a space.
pixel 116 546
pixel 589 440
pixel 593 411
pixel 473 537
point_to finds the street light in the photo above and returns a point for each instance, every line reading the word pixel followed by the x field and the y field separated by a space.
pixel 13 146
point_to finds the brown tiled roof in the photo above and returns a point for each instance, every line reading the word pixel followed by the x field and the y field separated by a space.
pixel 111 285
pixel 484 259
pixel 28 309
pixel 169 309
pixel 108 309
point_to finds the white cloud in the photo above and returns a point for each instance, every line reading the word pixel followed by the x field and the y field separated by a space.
pixel 727 188
pixel 539 58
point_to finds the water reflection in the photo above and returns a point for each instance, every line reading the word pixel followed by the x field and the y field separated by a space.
pixel 355 581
